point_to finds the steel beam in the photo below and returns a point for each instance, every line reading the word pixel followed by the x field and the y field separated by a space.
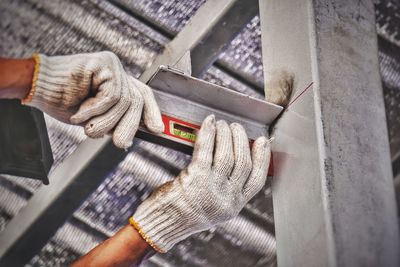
pixel 84 170
pixel 333 193
pixel 214 24
pixel 206 52
pixel 50 206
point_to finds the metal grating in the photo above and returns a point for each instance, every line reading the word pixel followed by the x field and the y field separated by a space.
pixel 388 28
pixel 244 53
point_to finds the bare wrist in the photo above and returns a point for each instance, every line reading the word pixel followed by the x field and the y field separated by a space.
pixel 125 248
pixel 16 77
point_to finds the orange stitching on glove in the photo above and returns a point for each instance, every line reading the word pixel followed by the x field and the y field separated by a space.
pixel 144 236
pixel 28 98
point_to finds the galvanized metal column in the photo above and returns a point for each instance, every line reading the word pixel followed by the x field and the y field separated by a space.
pixel 333 193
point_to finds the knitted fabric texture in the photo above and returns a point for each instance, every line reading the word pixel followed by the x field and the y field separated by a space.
pixel 222 177
pixel 144 236
pixel 93 90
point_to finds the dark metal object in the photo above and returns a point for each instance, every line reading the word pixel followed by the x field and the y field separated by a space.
pixel 24 144
pixel 155 139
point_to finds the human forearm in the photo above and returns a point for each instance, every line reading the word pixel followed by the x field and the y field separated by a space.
pixel 15 77
pixel 125 248
pixel 92 90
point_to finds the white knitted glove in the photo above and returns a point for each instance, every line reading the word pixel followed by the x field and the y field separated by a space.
pixel 222 177
pixel 94 90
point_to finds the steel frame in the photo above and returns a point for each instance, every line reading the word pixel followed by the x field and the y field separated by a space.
pixel 220 36
pixel 86 168
pixel 333 190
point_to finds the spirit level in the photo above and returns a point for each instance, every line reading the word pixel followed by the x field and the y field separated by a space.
pixel 185 101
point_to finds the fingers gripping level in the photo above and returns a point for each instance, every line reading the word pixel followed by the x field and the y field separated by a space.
pixel 223 175
pixel 94 90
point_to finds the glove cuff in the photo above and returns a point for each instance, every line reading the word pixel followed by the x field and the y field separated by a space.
pixel 163 225
pixel 28 98
pixel 144 236
pixel 44 84
pixel 52 88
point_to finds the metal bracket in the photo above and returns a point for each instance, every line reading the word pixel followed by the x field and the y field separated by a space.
pixel 184 64
pixel 185 101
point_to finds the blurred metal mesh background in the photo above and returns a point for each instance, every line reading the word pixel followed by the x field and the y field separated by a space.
pixel 137 31
pixel 388 27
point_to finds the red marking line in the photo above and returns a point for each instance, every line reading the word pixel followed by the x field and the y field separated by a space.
pixel 301 93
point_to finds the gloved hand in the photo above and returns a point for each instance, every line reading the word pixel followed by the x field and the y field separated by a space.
pixel 222 177
pixel 94 90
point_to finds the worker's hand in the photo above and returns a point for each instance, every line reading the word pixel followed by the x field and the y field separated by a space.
pixel 93 90
pixel 222 177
